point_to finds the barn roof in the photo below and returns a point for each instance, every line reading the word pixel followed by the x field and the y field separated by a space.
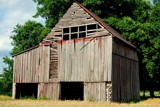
pixel 107 27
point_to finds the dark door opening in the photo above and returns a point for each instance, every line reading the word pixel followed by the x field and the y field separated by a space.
pixel 72 91
pixel 26 90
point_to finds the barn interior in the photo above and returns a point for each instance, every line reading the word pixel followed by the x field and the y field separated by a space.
pixel 72 91
pixel 26 90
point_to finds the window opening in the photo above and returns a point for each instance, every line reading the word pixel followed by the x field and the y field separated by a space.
pixel 78 31
pixel 73 36
pixel 98 26
pixel 74 29
pixel 82 35
pixel 66 37
pixel 65 30
pixel 82 28
pixel 91 27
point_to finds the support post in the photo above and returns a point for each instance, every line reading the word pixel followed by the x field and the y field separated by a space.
pixel 14 91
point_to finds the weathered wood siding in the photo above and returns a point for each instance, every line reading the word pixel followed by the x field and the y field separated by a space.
pixel 32 66
pixel 125 73
pixel 75 16
pixel 95 91
pixel 85 59
pixel 49 90
pixel 13 90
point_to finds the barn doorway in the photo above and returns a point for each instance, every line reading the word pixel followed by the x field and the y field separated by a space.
pixel 26 90
pixel 72 91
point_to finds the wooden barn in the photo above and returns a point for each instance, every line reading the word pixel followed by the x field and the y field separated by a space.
pixel 81 58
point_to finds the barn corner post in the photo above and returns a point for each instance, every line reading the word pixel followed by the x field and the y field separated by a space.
pixel 13 84
pixel 138 79
pixel 110 67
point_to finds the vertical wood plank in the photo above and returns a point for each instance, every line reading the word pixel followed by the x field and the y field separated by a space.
pixel 13 90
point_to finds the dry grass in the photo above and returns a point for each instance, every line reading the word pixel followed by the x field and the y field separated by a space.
pixel 7 102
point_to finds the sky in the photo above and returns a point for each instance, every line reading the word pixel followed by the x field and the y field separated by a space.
pixel 13 12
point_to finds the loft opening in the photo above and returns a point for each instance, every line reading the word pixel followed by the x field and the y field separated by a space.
pixel 26 90
pixel 53 68
pixel 72 91
pixel 79 31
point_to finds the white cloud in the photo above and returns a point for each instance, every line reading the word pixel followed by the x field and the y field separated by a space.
pixel 14 12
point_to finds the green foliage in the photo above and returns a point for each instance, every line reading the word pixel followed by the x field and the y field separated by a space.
pixel 133 101
pixel 51 10
pixel 156 2
pixel 44 98
pixel 6 77
pixel 28 35
pixel 5 97
pixel 29 97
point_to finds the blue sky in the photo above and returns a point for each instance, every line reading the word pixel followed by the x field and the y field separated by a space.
pixel 13 12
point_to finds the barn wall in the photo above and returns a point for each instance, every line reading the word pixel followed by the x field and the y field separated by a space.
pixel 85 59
pixel 125 73
pixel 49 90
pixel 95 91
pixel 32 66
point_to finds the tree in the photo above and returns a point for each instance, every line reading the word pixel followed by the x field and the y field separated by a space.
pixel 51 10
pixel 28 35
pixel 6 76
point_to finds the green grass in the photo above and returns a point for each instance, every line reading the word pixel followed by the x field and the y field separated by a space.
pixel 6 93
pixel 5 97
pixel 147 93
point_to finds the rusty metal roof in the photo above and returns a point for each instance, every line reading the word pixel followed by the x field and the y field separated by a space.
pixel 107 27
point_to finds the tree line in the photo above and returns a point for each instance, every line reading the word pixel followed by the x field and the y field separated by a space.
pixel 138 21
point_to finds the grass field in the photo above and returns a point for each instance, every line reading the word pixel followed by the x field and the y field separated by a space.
pixel 6 101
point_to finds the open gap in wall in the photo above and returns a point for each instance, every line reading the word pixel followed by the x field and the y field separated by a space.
pixel 72 91
pixel 26 90
pixel 92 26
pixel 66 37
pixel 82 35
pixel 81 31
pixel 73 36
pixel 74 29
